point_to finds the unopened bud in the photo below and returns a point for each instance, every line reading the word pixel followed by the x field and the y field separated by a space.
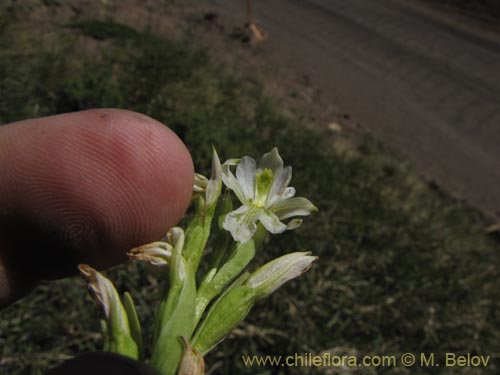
pixel 192 362
pixel 274 274
pixel 119 336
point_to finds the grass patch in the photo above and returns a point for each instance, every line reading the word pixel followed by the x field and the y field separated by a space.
pixel 400 269
pixel 102 30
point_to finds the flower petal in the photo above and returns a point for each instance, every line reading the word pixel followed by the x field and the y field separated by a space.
pixel 294 224
pixel 288 193
pixel 273 161
pixel 245 175
pixel 242 222
pixel 231 182
pixel 200 183
pixel 271 222
pixel 280 183
pixel 232 162
pixel 293 207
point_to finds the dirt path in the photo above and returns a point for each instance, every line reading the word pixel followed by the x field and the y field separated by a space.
pixel 422 85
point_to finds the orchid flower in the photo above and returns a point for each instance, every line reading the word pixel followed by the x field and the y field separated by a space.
pixel 266 197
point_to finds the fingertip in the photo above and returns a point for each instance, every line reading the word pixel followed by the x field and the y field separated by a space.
pixel 99 182
pixel 155 174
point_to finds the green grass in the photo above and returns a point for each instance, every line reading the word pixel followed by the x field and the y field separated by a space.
pixel 401 268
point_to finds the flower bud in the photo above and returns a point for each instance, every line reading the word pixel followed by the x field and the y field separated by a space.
pixel 200 183
pixel 158 254
pixel 198 231
pixel 210 188
pixel 119 337
pixel 234 305
pixel 192 362
pixel 274 274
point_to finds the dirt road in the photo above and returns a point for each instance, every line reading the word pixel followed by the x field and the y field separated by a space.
pixel 422 85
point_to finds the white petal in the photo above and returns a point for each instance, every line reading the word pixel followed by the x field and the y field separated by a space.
pixel 242 223
pixel 200 183
pixel 271 222
pixel 288 193
pixel 294 224
pixel 272 160
pixel 231 182
pixel 232 162
pixel 245 175
pixel 293 207
pixel 281 181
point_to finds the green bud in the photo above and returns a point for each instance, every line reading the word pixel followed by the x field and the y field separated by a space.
pixel 211 189
pixel 198 230
pixel 119 338
pixel 274 274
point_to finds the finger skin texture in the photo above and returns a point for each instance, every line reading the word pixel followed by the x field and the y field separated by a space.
pixel 85 187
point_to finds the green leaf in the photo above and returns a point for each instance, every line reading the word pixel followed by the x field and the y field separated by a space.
pixel 134 324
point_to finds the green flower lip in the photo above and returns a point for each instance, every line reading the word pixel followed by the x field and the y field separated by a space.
pixel 265 196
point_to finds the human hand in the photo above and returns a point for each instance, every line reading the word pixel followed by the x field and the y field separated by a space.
pixel 84 187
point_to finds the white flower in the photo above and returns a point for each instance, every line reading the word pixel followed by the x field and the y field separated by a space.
pixel 263 190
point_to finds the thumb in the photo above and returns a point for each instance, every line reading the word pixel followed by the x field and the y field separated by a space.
pixel 85 187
